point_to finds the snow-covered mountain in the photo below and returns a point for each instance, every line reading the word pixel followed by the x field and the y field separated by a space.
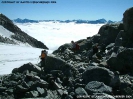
pixel 79 21
pixel 11 34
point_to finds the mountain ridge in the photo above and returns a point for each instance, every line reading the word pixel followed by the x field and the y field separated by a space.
pixel 18 34
pixel 78 21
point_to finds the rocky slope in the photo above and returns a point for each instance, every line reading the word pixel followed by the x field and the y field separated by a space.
pixel 18 34
pixel 107 74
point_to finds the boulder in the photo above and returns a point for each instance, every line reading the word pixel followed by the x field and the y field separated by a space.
pixel 28 66
pixel 122 61
pixel 109 33
pixel 85 44
pixel 32 94
pixel 126 87
pixel 124 38
pixel 95 73
pixel 80 91
pixel 55 63
pixel 97 87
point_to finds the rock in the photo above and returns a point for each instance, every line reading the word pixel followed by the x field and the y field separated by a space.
pixel 2 89
pixel 30 67
pixel 108 47
pixel 118 40
pixel 69 97
pixel 55 63
pixel 85 44
pixel 42 84
pixel 125 85
pixel 41 91
pixel 94 73
pixel 62 48
pixel 32 94
pixel 81 69
pixel 77 58
pixel 108 33
pixel 80 91
pixel 103 64
pixel 20 88
pixel 97 87
pixel 123 61
pixel 9 91
pixel 126 35
pixel 115 83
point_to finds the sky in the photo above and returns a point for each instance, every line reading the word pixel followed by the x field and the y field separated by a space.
pixel 66 9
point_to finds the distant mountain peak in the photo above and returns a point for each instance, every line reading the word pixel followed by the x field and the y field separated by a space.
pixel 78 21
pixel 19 20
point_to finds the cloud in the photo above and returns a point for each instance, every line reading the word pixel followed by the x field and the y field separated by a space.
pixel 56 34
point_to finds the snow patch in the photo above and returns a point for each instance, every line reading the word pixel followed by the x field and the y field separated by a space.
pixel 14 56
pixel 5 33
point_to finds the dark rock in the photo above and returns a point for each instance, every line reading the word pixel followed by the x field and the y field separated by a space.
pixel 97 87
pixel 103 64
pixel 108 33
pixel 62 48
pixel 32 94
pixel 108 47
pixel 30 67
pixel 125 85
pixel 42 84
pixel 94 73
pixel 2 89
pixel 9 91
pixel 69 97
pixel 41 91
pixel 80 91
pixel 85 44
pixel 20 88
pixel 55 63
pixel 81 69
pixel 115 83
pixel 55 73
pixel 124 38
pixel 123 61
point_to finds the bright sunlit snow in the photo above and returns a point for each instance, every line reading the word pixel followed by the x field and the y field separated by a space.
pixel 12 56
pixel 51 34
pixel 4 32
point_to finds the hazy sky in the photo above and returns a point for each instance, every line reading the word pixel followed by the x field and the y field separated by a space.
pixel 67 9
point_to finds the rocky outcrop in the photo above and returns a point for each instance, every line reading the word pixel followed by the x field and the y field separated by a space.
pixel 19 35
pixel 94 73
pixel 122 61
pixel 97 87
pixel 125 37
pixel 68 74
pixel 109 32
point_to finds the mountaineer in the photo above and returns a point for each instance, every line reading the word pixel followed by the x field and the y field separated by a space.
pixel 43 57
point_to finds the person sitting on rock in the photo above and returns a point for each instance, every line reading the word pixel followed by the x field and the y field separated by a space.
pixel 43 57
pixel 75 46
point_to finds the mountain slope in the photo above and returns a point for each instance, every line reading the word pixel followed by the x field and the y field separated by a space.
pixel 17 34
